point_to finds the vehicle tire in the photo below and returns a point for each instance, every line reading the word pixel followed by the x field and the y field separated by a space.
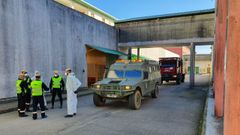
pixel 178 81
pixel 98 100
pixel 183 78
pixel 155 92
pixel 135 100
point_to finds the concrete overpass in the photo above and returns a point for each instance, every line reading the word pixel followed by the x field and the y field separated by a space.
pixel 181 29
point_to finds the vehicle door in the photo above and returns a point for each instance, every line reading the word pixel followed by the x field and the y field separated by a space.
pixel 151 78
pixel 145 82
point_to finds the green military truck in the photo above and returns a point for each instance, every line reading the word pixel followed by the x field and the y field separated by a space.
pixel 128 80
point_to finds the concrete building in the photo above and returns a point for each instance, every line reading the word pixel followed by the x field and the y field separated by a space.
pixel 90 10
pixel 203 63
pixel 45 35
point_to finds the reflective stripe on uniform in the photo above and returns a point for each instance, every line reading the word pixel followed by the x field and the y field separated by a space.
pixel 28 82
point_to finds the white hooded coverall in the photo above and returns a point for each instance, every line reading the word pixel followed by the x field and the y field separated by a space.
pixel 72 84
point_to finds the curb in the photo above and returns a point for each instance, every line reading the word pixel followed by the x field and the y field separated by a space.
pixel 209 123
pixel 80 94
pixel 202 121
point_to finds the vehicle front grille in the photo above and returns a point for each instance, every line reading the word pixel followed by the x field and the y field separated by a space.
pixel 111 87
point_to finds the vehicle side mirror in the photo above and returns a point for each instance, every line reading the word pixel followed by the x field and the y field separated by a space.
pixel 145 75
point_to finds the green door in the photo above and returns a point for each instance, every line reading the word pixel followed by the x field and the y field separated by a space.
pixel 196 70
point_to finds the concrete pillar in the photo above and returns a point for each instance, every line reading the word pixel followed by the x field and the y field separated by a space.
pixel 219 52
pixel 192 65
pixel 129 53
pixel 138 53
pixel 232 70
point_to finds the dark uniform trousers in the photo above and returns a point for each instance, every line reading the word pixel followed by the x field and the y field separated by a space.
pixel 21 103
pixel 38 100
pixel 28 99
pixel 56 91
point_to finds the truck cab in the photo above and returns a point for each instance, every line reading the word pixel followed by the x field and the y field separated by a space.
pixel 128 80
pixel 172 69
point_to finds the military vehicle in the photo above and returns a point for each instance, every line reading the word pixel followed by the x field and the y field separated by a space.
pixel 130 81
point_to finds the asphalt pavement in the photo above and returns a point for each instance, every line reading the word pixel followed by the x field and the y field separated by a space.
pixel 177 111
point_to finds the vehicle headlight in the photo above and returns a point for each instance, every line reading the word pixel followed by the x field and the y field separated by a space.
pixel 127 87
pixel 98 86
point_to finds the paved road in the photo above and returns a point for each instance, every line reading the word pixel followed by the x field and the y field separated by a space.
pixel 176 112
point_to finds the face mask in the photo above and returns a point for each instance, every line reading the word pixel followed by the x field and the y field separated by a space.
pixel 66 74
pixel 55 75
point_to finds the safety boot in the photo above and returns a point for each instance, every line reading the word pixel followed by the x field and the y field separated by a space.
pixel 34 116
pixel 43 115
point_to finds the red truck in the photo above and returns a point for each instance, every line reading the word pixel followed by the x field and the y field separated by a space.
pixel 171 69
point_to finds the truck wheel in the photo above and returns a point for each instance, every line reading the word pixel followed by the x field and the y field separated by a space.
pixel 98 100
pixel 183 78
pixel 155 92
pixel 178 81
pixel 135 100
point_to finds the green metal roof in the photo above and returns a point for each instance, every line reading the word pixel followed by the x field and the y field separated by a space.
pixel 108 51
pixel 198 12
pixel 84 3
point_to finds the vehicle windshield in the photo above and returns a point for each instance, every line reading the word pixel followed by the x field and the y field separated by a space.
pixel 133 74
pixel 124 74
pixel 168 63
pixel 115 74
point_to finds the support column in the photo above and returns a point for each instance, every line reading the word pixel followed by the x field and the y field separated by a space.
pixel 129 53
pixel 192 65
pixel 138 53
pixel 219 52
pixel 232 71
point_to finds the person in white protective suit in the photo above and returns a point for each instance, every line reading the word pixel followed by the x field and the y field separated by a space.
pixel 72 84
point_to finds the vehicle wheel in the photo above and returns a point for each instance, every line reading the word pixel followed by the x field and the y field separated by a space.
pixel 98 100
pixel 135 100
pixel 155 92
pixel 183 79
pixel 178 81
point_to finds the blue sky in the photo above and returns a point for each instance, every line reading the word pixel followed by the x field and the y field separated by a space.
pixel 125 9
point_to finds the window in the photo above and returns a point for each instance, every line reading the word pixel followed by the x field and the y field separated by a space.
pixel 133 74
pixel 145 75
pixel 115 74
